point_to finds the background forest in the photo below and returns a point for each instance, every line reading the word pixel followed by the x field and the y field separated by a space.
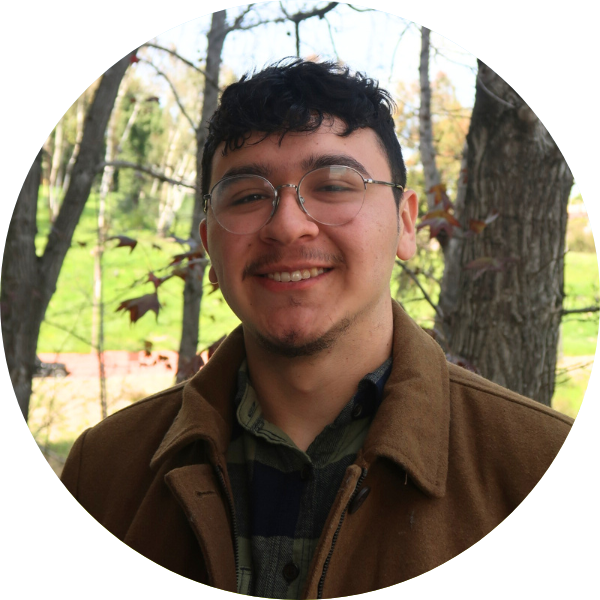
pixel 133 275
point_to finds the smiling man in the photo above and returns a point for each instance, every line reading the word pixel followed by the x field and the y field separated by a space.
pixel 327 448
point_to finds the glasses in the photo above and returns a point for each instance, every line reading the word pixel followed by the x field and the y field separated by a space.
pixel 331 195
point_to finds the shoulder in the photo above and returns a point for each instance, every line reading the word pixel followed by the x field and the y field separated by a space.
pixel 152 415
pixel 130 436
pixel 504 423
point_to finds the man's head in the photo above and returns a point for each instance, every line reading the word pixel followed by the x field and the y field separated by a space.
pixel 280 124
pixel 300 96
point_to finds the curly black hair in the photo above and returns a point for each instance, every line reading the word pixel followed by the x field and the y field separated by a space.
pixel 299 95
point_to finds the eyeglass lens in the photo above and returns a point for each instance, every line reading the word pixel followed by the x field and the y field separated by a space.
pixel 331 195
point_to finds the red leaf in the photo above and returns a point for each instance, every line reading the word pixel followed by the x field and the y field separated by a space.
pixel 437 221
pixel 190 256
pixel 477 226
pixel 440 196
pixel 124 241
pixel 157 281
pixel 133 59
pixel 138 307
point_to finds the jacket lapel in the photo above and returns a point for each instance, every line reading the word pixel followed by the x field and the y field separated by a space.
pixel 412 424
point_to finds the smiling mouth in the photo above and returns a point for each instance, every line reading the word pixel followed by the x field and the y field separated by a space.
pixel 299 275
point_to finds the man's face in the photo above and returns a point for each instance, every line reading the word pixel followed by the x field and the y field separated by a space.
pixel 310 315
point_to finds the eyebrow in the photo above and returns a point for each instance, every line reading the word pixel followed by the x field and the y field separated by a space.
pixel 249 169
pixel 329 160
pixel 312 162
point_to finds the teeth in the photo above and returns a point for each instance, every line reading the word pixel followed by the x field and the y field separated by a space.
pixel 295 275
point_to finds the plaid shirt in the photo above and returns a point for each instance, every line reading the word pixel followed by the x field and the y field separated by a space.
pixel 283 495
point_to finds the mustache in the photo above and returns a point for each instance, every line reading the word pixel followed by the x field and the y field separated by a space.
pixel 275 256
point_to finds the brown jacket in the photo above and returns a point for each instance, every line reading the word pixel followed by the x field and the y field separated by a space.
pixel 448 457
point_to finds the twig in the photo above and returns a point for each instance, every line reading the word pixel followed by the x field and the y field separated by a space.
pixel 123 164
pixel 175 94
pixel 413 276
pixel 587 309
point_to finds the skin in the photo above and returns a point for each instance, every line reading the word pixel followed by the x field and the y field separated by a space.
pixel 306 341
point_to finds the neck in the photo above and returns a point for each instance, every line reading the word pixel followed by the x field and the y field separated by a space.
pixel 304 394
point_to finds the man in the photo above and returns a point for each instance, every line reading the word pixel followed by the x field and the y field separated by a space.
pixel 327 448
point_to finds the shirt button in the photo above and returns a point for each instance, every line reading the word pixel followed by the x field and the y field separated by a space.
pixel 305 472
pixel 290 572
pixel 357 411
pixel 359 499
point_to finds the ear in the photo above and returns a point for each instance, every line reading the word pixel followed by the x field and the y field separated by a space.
pixel 204 235
pixel 407 218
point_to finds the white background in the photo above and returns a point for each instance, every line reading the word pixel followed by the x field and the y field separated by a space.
pixel 51 51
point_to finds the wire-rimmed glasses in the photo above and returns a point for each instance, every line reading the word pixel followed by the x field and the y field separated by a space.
pixel 332 195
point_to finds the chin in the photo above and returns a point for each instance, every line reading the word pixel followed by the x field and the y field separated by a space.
pixel 294 343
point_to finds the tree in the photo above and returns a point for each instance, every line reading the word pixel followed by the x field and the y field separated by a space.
pixel 28 280
pixel 502 290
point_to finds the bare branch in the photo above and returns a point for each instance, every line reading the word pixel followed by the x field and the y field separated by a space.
pixel 587 309
pixel 175 94
pixel 189 63
pixel 122 164
pixel 414 277
pixel 360 9
pixel 317 12
pixel 406 28
pixel 337 56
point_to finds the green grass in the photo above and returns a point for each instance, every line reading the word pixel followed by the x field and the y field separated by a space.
pixel 68 323
pixel 580 331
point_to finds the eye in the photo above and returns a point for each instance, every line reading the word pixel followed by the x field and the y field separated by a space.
pixel 248 199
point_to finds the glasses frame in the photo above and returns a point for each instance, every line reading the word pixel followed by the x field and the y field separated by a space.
pixel 207 198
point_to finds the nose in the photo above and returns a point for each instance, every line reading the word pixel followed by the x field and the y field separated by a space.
pixel 289 223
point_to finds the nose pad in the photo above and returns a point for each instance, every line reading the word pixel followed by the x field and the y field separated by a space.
pixel 277 199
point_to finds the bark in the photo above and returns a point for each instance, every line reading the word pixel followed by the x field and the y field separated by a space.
pixel 54 169
pixel 19 288
pixel 78 135
pixel 28 281
pixel 426 148
pixel 192 293
pixel 110 153
pixel 506 322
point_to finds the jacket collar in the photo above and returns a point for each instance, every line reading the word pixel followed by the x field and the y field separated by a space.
pixel 411 427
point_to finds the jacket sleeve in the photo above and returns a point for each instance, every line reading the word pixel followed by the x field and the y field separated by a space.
pixel 72 468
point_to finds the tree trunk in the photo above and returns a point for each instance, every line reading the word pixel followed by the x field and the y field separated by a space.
pixel 19 287
pixel 426 149
pixel 78 135
pixel 192 293
pixel 53 190
pixel 506 320
pixel 28 282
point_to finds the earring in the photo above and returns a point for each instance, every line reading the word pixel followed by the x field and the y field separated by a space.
pixel 212 276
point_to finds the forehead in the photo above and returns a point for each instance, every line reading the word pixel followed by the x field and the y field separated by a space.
pixel 299 152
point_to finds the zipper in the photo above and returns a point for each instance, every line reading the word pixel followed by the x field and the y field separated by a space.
pixel 335 535
pixel 233 520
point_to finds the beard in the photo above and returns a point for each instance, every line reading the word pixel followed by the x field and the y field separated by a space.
pixel 290 345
